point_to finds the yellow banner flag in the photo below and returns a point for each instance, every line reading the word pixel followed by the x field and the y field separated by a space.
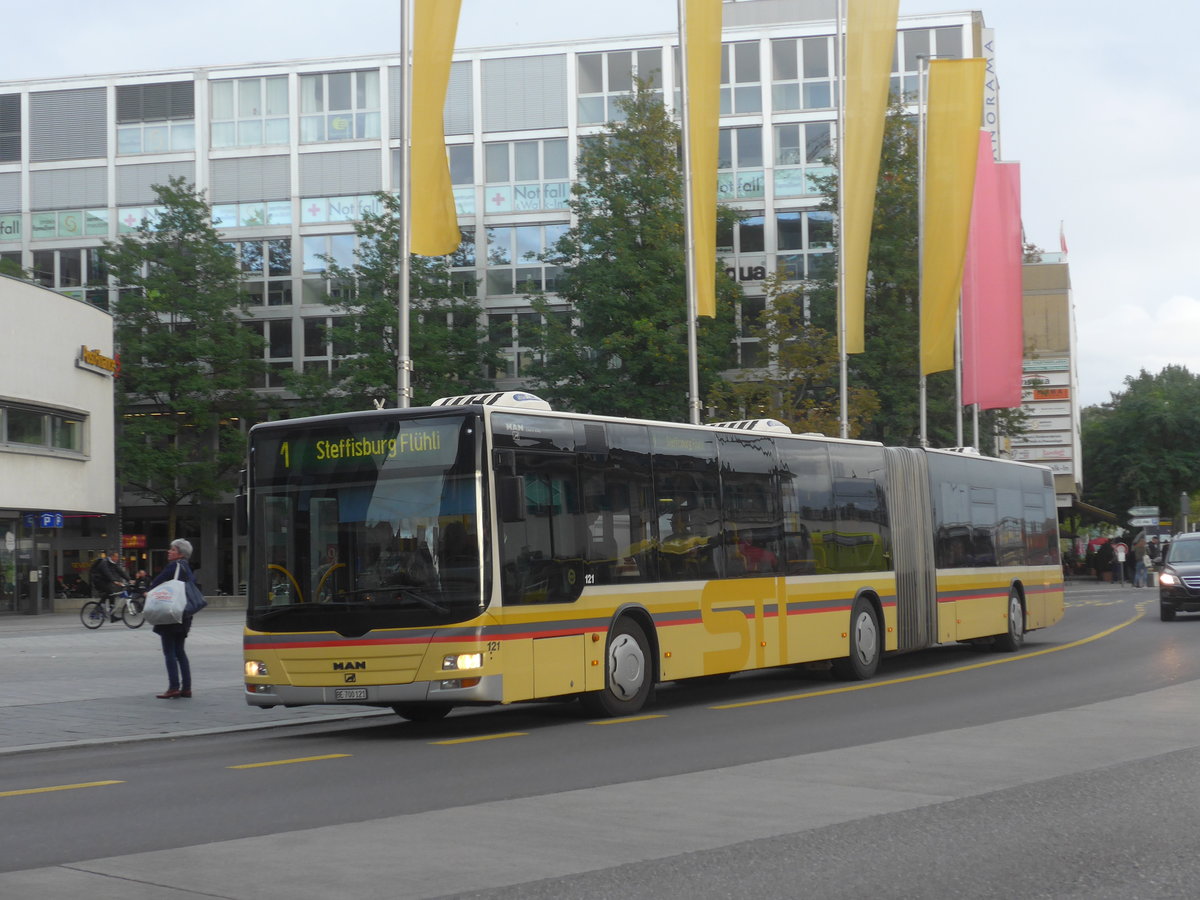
pixel 434 229
pixel 870 45
pixel 954 115
pixel 704 100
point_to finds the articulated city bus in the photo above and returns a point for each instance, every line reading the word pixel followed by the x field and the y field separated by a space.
pixel 487 549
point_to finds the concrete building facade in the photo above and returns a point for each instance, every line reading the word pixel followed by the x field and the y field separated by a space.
pixel 57 480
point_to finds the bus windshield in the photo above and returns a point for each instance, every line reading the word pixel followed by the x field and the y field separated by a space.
pixel 365 522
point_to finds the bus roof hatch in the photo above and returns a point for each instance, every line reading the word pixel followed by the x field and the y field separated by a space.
pixel 772 425
pixel 521 399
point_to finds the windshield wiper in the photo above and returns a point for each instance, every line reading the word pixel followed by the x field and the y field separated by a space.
pixel 382 595
pixel 274 612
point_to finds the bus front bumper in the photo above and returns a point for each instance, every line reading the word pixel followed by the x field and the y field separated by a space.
pixel 487 690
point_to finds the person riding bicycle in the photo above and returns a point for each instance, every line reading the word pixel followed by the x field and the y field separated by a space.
pixel 108 580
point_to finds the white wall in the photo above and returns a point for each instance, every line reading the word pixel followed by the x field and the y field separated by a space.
pixel 41 333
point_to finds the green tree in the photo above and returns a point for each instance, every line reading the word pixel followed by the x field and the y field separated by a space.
pixel 624 277
pixel 13 269
pixel 890 365
pixel 188 363
pixel 799 385
pixel 447 344
pixel 1140 448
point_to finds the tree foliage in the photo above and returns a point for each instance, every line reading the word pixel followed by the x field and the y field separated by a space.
pixel 188 363
pixel 624 276
pixel 1140 448
pixel 447 344
pixel 799 386
pixel 890 365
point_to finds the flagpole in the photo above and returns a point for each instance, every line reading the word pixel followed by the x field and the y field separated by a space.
pixel 843 355
pixel 403 360
pixel 922 70
pixel 689 239
pixel 958 375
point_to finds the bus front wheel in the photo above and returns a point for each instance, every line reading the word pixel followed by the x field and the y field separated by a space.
pixel 628 673
pixel 422 712
pixel 865 644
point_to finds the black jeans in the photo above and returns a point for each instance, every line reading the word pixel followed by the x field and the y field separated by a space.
pixel 179 673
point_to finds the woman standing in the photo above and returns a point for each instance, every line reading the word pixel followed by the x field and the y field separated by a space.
pixel 179 673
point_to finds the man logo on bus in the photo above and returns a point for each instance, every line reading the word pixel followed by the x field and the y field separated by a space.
pixel 351 677
pixel 344 666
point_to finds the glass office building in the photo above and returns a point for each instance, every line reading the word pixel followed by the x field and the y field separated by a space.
pixel 290 154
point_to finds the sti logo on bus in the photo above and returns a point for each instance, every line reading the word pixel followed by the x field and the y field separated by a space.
pixel 346 666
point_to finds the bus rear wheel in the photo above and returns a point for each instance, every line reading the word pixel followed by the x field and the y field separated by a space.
pixel 865 645
pixel 1011 641
pixel 628 673
pixel 422 712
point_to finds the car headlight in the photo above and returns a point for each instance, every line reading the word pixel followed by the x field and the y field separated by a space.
pixel 460 661
pixel 256 668
pixel 1168 579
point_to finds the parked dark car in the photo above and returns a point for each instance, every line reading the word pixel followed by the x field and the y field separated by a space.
pixel 1179 577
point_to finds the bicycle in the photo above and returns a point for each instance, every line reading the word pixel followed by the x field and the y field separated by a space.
pixel 95 613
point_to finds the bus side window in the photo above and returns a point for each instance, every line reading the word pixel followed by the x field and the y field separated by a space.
pixel 619 511
pixel 753 521
pixel 808 514
pixel 542 552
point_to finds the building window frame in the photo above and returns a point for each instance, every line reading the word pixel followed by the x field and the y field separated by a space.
pixel 514 258
pixel 803 75
pixel 604 77
pixel 249 112
pixel 339 106
pixel 526 176
pixel 26 428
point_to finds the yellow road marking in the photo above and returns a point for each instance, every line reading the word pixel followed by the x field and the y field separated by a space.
pixel 58 787
pixel 288 762
pixel 482 737
pixel 628 719
pixel 957 669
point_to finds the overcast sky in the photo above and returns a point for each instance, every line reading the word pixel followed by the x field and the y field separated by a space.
pixel 1099 104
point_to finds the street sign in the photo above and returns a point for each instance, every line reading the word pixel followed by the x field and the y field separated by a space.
pixel 1144 511
pixel 1143 521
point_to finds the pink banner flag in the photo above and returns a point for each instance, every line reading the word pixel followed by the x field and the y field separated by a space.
pixel 992 313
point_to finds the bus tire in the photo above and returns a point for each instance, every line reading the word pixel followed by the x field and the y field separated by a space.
pixel 1012 640
pixel 422 712
pixel 865 644
pixel 628 673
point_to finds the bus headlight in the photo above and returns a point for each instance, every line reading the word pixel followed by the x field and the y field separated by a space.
pixel 460 661
pixel 256 668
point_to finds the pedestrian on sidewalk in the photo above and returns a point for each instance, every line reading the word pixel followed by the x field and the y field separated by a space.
pixel 1141 566
pixel 173 634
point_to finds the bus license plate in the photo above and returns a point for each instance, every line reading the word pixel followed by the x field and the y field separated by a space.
pixel 349 693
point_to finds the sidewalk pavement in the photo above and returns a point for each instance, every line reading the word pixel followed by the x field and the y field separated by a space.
pixel 63 685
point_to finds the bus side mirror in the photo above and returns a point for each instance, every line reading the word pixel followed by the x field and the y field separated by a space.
pixel 510 498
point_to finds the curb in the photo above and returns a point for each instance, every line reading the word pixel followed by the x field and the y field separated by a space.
pixel 196 732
